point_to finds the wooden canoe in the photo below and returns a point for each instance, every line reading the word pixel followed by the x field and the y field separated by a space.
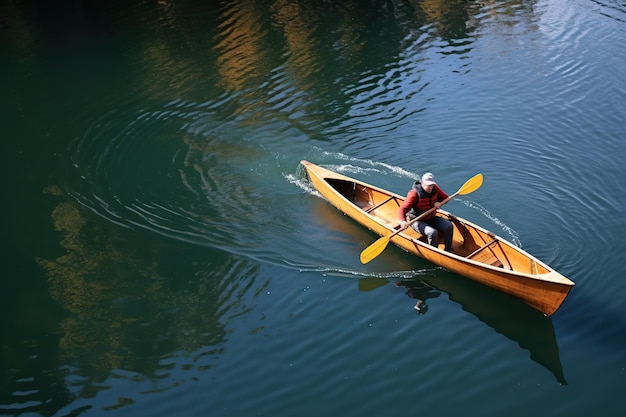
pixel 478 254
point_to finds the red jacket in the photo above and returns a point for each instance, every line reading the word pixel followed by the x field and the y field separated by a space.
pixel 418 201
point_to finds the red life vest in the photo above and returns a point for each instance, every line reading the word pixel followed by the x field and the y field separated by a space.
pixel 426 202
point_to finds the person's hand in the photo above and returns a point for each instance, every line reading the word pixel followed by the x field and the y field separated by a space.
pixel 437 204
pixel 403 224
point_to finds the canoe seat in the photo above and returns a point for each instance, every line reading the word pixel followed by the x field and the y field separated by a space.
pixel 486 257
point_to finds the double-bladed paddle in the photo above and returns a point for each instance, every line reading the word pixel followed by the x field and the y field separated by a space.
pixel 377 247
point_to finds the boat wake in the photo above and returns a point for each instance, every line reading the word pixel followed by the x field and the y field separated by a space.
pixel 513 236
pixel 299 179
pixel 393 275
pixel 370 167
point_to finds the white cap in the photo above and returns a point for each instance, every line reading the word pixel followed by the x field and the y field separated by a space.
pixel 428 179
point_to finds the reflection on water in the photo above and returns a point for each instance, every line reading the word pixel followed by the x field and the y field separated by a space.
pixel 530 329
pixel 420 291
pixel 140 329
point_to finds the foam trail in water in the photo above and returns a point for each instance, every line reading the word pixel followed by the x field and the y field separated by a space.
pixel 393 275
pixel 514 237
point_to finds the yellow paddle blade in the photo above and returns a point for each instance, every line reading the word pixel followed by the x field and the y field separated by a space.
pixel 374 249
pixel 471 185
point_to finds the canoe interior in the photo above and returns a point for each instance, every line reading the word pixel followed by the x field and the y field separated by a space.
pixel 469 241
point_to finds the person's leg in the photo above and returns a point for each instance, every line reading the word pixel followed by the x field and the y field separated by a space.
pixel 428 231
pixel 446 228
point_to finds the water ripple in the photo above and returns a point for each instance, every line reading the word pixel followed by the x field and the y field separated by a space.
pixel 615 9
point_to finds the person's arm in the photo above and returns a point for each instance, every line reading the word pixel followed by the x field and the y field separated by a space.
pixel 411 199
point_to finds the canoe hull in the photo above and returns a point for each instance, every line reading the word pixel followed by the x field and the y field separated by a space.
pixel 479 254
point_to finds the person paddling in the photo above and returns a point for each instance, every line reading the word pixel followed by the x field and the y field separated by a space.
pixel 425 195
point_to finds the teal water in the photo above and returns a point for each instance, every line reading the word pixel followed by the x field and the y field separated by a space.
pixel 164 254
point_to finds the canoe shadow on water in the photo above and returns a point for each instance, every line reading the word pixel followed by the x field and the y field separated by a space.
pixel 529 328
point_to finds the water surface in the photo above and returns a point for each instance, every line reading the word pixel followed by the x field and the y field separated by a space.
pixel 164 253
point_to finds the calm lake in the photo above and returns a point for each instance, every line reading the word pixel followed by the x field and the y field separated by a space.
pixel 165 255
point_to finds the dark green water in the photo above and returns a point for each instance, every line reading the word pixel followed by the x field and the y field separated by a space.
pixel 164 255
